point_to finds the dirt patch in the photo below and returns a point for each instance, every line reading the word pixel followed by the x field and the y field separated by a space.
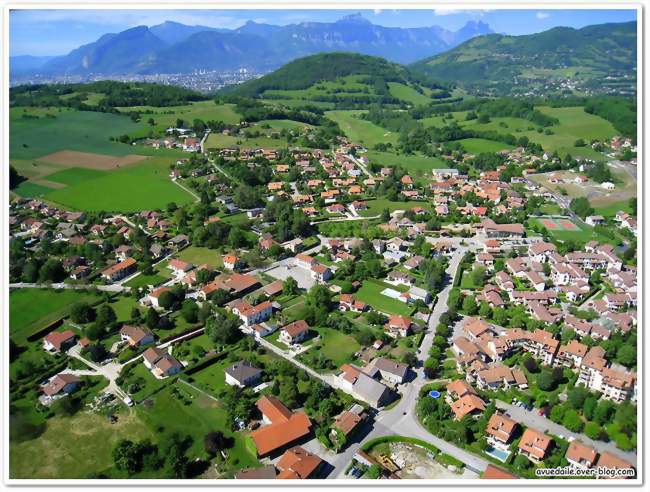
pixel 71 158
pixel 413 461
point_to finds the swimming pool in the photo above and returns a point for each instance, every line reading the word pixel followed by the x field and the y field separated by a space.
pixel 499 454
pixel 434 394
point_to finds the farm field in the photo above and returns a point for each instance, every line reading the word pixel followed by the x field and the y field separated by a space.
pixel 140 186
pixel 408 94
pixel 478 145
pixel 203 110
pixel 359 130
pixel 33 309
pixel 83 131
pixel 218 140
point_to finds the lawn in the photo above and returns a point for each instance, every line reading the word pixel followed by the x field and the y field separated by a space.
pixel 611 209
pixel 141 186
pixel 81 444
pixel 361 131
pixel 218 140
pixel 33 309
pixel 412 163
pixel 168 412
pixel 122 306
pixel 376 207
pixel 145 280
pixel 337 346
pixel 84 131
pixel 27 189
pixel 478 145
pixel 370 293
pixel 75 176
pixel 198 256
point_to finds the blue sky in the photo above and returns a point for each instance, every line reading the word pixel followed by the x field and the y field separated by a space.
pixel 56 32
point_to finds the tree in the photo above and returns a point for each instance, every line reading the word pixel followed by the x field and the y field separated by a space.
pixel 546 381
pixel 581 207
pixel 217 441
pixel 166 299
pixel 572 421
pixel 223 328
pixel 152 319
pixel 82 312
pixel 127 456
pixel 290 287
pixel 318 303
pixel 593 431
pixel 106 316
pixel 470 306
pixel 190 311
pixel 627 355
pixel 51 271
pixel 478 276
pixel 576 397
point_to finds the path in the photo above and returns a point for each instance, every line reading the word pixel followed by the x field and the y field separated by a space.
pixel 185 188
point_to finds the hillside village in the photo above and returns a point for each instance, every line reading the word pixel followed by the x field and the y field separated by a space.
pixel 408 302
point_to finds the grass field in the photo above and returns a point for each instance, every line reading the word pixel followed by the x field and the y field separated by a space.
pixel 337 346
pixel 83 131
pixel 33 309
pixel 370 293
pixel 478 145
pixel 376 207
pixel 406 93
pixel 198 256
pixel 413 163
pixel 359 130
pixel 140 186
pixel 82 445
pixel 217 140
pixel 563 232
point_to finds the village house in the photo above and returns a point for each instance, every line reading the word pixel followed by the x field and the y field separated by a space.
pixel 500 431
pixel 160 362
pixel 535 445
pixel 398 326
pixel 250 314
pixel 356 382
pixel 295 332
pixel 59 341
pixel 580 455
pixel 136 335
pixel 60 385
pixel 120 270
pixel 242 374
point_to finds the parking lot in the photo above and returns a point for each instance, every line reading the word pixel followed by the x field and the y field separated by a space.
pixel 289 269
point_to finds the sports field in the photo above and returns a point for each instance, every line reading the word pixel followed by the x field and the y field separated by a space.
pixel 559 225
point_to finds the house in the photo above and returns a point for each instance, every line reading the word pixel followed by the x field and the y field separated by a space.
pixel 179 267
pixel 282 428
pixel 120 270
pixel 236 284
pixel 154 296
pixel 305 261
pixel 353 380
pixel 397 277
pixel 535 445
pixel 295 332
pixel 413 262
pixel 349 420
pixel 231 262
pixel 136 335
pixel 459 388
pixel 500 431
pixel 321 273
pixel 252 314
pixel 594 220
pixel 398 326
pixel 60 385
pixel 242 374
pixel 469 404
pixel 160 362
pixel 580 455
pixel 501 376
pixel 612 462
pixel 59 341
pixel 416 294
pixel 298 463
pixel 493 230
pixel 348 302
pixel 389 370
pixel 495 473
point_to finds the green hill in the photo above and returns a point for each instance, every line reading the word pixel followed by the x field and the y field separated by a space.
pixel 341 79
pixel 594 59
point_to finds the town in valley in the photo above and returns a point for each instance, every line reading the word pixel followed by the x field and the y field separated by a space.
pixel 327 265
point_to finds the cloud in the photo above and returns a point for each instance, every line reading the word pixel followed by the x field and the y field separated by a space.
pixel 471 12
pixel 542 15
pixel 376 11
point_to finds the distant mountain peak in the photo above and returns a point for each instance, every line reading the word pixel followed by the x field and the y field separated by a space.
pixel 353 19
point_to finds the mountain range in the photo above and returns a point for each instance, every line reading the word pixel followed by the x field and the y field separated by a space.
pixel 598 54
pixel 172 47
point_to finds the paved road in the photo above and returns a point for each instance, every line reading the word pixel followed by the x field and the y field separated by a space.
pixel 402 418
pixel 536 421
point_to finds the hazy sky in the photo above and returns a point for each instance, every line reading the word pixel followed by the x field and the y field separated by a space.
pixel 56 32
